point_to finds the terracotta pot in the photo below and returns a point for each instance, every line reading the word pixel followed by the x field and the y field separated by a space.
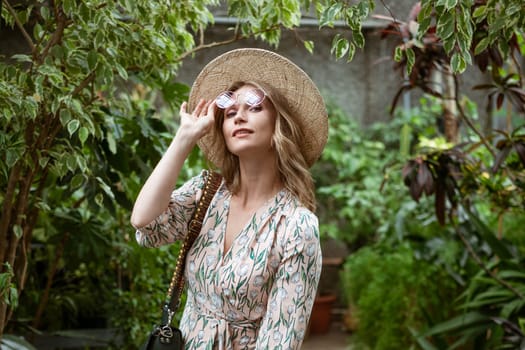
pixel 321 317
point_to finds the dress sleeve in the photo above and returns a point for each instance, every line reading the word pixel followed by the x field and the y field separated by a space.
pixel 172 224
pixel 294 288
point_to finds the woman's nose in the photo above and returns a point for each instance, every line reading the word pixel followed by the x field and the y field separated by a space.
pixel 240 116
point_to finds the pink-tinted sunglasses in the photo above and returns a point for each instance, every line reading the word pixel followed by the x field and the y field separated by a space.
pixel 252 98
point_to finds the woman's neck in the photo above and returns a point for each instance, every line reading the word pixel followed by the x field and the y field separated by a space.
pixel 258 183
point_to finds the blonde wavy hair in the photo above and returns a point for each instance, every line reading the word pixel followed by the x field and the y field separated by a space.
pixel 293 169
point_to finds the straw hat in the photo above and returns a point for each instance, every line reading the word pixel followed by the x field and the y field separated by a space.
pixel 288 79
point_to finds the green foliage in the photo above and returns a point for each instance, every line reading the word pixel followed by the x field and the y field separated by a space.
pixel 80 133
pixel 411 241
pixel 11 342
pixel 491 313
pixel 265 18
pixel 484 206
pixel 352 15
pixel 391 291
pixel 358 177
pixel 148 272
pixel 456 26
pixel 348 181
pixel 8 291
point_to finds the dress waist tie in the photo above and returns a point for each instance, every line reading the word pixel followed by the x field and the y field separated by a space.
pixel 223 337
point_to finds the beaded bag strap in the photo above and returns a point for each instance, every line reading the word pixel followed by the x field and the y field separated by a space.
pixel 213 181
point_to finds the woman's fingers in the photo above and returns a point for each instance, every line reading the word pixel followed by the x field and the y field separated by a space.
pixel 183 107
pixel 199 108
pixel 201 119
pixel 211 109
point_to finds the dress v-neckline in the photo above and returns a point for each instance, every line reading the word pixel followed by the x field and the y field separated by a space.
pixel 252 218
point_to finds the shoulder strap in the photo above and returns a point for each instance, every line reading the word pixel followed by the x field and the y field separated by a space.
pixel 213 181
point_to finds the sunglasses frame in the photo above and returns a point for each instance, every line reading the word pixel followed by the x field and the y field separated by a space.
pixel 233 97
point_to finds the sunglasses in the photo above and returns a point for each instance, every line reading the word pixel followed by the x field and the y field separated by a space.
pixel 252 98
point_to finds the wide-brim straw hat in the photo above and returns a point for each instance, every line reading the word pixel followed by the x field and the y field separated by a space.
pixel 250 64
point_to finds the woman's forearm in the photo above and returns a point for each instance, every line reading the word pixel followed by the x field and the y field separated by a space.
pixel 154 196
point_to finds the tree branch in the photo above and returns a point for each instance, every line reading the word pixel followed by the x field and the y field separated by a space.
pixel 57 34
pixel 50 277
pixel 20 26
pixel 467 119
pixel 207 46
pixel 394 19
pixel 235 38
pixel 14 178
pixel 84 83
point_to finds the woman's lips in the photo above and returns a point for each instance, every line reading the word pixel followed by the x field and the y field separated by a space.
pixel 241 132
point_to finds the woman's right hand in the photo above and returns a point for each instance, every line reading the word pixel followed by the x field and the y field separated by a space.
pixel 199 122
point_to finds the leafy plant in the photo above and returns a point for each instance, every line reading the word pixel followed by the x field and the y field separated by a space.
pixel 80 132
pixel 79 135
pixel 358 177
pixel 477 182
pixel 348 180
pixel 11 342
pixel 390 291
pixel 347 189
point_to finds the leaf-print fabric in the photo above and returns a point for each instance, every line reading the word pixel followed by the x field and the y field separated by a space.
pixel 258 294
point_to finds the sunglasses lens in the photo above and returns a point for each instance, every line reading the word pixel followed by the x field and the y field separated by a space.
pixel 228 98
pixel 254 97
pixel 225 100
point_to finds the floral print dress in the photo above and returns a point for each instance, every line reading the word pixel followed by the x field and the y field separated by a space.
pixel 259 293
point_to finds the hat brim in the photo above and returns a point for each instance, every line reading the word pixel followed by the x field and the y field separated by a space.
pixel 251 64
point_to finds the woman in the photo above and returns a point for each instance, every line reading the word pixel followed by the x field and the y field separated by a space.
pixel 253 271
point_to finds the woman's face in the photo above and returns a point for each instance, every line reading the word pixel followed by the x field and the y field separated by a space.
pixel 248 130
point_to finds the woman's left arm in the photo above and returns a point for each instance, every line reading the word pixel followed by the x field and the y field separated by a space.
pixel 294 288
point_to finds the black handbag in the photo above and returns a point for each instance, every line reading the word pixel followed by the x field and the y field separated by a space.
pixel 164 336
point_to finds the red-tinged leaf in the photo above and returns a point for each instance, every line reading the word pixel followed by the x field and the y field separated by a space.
pixel 430 91
pixel 495 55
pixel 513 42
pixel 423 174
pixel 482 61
pixel 407 173
pixel 518 90
pixel 405 86
pixel 415 191
pixel 439 202
pixel 390 30
pixel 518 102
pixel 450 190
pixel 520 149
pixel 501 144
pixel 517 96
pixel 424 178
pixel 500 157
pixel 484 86
pixel 429 186
pixel 499 101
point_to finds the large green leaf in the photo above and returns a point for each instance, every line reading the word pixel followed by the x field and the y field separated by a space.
pixel 12 342
pixel 498 246
pixel 458 323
